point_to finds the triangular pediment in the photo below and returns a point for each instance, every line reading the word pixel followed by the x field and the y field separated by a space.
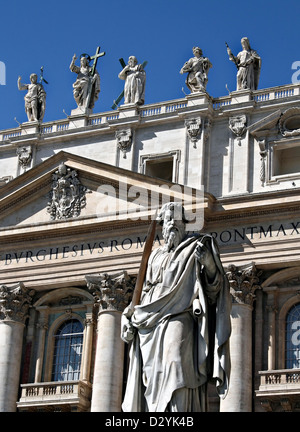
pixel 263 126
pixel 97 191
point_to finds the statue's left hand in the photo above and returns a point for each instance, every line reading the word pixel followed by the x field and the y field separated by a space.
pixel 205 258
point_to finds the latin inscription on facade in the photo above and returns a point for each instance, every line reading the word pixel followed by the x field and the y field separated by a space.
pixel 100 248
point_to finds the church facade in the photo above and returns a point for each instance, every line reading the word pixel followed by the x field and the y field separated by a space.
pixel 77 196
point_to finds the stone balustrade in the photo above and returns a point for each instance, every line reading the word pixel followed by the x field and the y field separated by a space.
pixel 151 110
pixel 75 393
pixel 279 390
pixel 280 380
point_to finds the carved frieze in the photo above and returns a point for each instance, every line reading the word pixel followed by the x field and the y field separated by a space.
pixel 111 292
pixel 243 282
pixel 124 140
pixel 15 302
pixel 68 195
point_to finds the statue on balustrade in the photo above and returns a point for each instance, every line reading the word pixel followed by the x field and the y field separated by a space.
pixel 197 69
pixel 248 65
pixel 135 79
pixel 86 88
pixel 35 98
pixel 179 332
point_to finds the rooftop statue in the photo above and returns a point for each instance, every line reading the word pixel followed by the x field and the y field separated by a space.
pixel 197 68
pixel 86 88
pixel 35 98
pixel 179 332
pixel 248 64
pixel 135 80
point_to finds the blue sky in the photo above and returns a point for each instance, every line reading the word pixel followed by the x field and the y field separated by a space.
pixel 163 32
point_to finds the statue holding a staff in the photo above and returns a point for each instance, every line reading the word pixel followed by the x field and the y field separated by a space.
pixel 178 323
pixel 248 65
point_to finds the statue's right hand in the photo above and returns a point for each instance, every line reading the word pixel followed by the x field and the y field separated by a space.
pixel 128 331
pixel 74 57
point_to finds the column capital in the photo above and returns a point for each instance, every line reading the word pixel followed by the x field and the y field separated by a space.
pixel 111 292
pixel 243 282
pixel 15 302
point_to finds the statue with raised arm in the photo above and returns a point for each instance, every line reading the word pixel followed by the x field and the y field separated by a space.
pixel 248 64
pixel 135 79
pixel 35 98
pixel 179 332
pixel 197 69
pixel 86 88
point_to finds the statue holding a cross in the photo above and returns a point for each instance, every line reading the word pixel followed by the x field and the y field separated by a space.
pixel 86 88
pixel 135 79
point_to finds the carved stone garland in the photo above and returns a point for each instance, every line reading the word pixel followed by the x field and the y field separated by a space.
pixel 67 194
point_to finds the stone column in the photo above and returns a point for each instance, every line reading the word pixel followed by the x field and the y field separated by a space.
pixel 88 345
pixel 112 293
pixel 243 283
pixel 14 304
pixel 42 326
pixel 272 310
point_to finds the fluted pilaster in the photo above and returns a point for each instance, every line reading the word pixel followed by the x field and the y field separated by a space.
pixel 243 281
pixel 112 293
pixel 15 302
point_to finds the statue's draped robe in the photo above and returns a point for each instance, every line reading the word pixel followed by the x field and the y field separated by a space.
pixel 197 69
pixel 135 80
pixel 248 74
pixel 169 355
pixel 85 84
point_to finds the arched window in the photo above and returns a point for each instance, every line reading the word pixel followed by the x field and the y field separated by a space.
pixel 67 351
pixel 293 338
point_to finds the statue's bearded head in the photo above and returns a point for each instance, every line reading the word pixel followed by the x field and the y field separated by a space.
pixel 173 220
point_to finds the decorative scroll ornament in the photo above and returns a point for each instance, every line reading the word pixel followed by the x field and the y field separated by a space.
pixel 111 292
pixel 67 195
pixel 237 125
pixel 243 282
pixel 15 302
pixel 124 140
pixel 25 156
pixel 193 127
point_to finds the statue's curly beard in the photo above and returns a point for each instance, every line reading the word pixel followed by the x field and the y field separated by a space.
pixel 172 237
